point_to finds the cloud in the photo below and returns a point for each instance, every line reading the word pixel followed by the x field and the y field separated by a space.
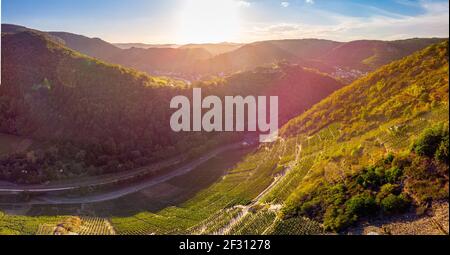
pixel 285 4
pixel 243 4
pixel 433 22
pixel 309 1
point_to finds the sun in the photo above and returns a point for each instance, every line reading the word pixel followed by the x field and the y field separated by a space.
pixel 212 21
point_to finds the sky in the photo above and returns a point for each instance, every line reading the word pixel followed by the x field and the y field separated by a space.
pixel 201 21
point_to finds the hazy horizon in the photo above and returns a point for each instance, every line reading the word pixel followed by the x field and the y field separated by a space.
pixel 201 21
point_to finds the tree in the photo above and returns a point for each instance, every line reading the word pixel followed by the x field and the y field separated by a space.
pixel 395 204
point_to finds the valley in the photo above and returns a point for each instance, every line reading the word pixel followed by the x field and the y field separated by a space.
pixel 98 181
pixel 86 146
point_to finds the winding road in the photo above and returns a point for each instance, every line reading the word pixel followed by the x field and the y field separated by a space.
pixel 7 188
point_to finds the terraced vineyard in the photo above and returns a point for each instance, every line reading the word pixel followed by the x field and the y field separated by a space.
pixel 95 226
pixel 46 230
pixel 400 135
pixel 88 226
pixel 14 225
pixel 217 222
pixel 254 223
pixel 238 187
pixel 281 191
pixel 296 226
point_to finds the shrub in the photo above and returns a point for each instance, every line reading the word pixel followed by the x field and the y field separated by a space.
pixel 387 190
pixel 336 195
pixel 395 204
pixel 361 204
pixel 371 177
pixel 430 140
pixel 389 158
pixel 442 151
pixel 393 174
pixel 289 210
pixel 336 219
pixel 311 208
pixel 426 191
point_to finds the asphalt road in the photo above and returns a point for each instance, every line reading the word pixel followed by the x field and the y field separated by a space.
pixel 96 181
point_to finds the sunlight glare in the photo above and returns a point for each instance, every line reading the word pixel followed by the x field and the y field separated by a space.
pixel 210 21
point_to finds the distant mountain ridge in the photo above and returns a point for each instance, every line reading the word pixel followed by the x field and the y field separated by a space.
pixel 368 55
pixel 346 61
pixel 214 48
pixel 326 56
pixel 126 46
pixel 154 61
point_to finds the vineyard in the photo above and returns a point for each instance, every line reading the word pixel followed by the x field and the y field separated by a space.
pixel 296 226
pixel 219 204
pixel 216 223
pixel 14 225
pixel 95 226
pixel 77 226
pixel 254 223
pixel 401 134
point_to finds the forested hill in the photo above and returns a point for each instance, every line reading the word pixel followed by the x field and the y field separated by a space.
pixel 368 55
pixel 402 88
pixel 53 84
pixel 99 118
pixel 93 117
pixel 93 47
pixel 298 88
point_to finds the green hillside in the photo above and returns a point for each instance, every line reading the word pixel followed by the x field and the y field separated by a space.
pixel 401 89
pixel 376 147
pixel 88 117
